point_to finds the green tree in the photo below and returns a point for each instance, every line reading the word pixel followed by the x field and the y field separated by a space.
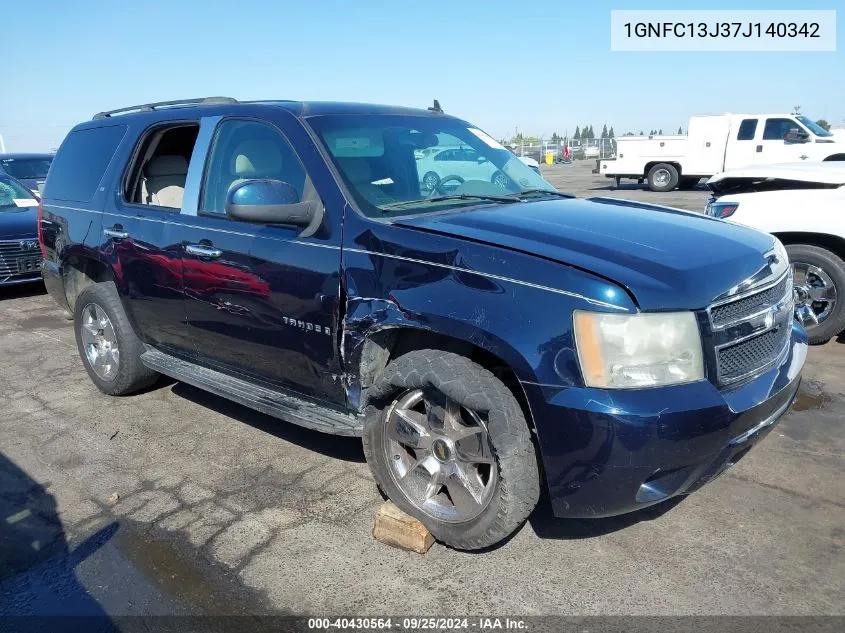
pixel 660 132
pixel 555 138
pixel 604 131
pixel 641 133
pixel 611 134
pixel 680 131
pixel 577 134
pixel 824 124
pixel 590 133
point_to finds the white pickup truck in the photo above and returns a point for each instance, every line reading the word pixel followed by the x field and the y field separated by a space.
pixel 715 143
pixel 803 205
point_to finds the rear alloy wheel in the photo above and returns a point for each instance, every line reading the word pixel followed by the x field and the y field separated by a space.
pixel 663 177
pixel 818 282
pixel 107 344
pixel 448 443
pixel 99 342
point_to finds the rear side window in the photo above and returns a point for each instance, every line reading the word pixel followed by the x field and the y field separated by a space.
pixel 747 130
pixel 79 166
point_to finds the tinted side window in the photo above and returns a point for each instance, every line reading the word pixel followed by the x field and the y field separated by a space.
pixel 244 150
pixel 776 129
pixel 747 130
pixel 82 159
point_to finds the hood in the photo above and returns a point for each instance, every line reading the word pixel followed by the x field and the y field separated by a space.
pixel 18 223
pixel 667 259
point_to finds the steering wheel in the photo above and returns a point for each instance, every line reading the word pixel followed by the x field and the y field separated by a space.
pixel 436 189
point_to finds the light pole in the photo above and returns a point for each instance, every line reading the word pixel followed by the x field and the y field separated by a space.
pixel 2 145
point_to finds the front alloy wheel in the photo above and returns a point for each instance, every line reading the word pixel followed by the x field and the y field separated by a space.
pixel 440 455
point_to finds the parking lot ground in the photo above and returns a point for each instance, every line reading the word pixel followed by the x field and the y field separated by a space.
pixel 176 501
pixel 578 178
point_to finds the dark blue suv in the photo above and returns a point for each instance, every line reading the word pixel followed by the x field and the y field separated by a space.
pixel 486 335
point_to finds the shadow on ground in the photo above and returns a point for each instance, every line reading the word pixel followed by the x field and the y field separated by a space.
pixel 348 449
pixel 37 567
pixel 22 291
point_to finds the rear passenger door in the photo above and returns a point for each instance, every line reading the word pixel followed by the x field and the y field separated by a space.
pixel 141 233
pixel 260 300
pixel 742 147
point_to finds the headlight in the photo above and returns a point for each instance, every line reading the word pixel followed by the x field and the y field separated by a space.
pixel 624 351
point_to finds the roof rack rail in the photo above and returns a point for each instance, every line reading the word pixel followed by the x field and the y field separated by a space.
pixel 149 107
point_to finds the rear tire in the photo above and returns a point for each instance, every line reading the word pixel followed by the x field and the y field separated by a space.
pixel 413 470
pixel 107 344
pixel 819 274
pixel 662 177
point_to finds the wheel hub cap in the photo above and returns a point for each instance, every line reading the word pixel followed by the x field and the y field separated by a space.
pixel 440 455
pixel 99 342
pixel 814 293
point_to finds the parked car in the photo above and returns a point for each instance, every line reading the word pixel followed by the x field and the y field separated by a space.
pixel 30 169
pixel 20 257
pixel 802 205
pixel 716 143
pixel 456 164
pixel 482 340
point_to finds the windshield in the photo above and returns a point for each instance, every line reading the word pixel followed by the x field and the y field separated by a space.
pixel 14 196
pixel 34 168
pixel 401 165
pixel 815 128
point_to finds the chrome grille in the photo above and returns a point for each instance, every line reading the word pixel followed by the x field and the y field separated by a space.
pixel 743 308
pixel 11 252
pixel 748 356
pixel 752 330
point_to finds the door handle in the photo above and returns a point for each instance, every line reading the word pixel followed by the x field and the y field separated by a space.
pixel 116 232
pixel 759 148
pixel 201 250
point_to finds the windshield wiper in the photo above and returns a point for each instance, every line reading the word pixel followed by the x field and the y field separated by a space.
pixel 457 196
pixel 546 192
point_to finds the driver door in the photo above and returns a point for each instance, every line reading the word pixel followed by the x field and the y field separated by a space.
pixel 773 147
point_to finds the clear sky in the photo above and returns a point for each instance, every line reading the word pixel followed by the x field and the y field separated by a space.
pixel 542 65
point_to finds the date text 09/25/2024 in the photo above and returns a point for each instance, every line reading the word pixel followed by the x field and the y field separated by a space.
pixel 417 624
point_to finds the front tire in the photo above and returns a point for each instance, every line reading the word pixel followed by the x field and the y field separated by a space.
pixel 819 281
pixel 448 443
pixel 662 177
pixel 107 344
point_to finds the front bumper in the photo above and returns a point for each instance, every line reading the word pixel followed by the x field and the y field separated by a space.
pixel 610 452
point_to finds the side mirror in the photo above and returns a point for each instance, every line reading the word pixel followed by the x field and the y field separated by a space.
pixel 268 201
pixel 796 135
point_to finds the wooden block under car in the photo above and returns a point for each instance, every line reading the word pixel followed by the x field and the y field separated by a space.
pixel 394 527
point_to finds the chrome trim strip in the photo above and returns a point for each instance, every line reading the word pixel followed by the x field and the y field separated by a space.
pixel 774 267
pixel 748 293
pixel 491 276
pixel 196 166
